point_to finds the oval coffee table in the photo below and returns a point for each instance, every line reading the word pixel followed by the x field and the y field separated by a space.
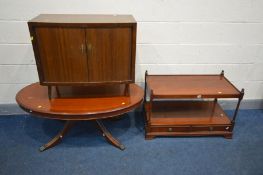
pixel 79 103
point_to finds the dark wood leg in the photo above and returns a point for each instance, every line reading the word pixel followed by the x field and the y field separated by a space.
pixel 238 104
pixel 149 137
pixel 49 91
pixel 57 139
pixel 127 89
pixel 109 137
pixel 57 91
pixel 229 136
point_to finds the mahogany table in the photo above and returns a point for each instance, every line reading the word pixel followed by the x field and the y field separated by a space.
pixel 79 103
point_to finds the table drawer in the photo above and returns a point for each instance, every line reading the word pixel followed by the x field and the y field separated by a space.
pixel 188 128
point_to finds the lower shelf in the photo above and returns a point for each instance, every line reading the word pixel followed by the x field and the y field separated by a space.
pixel 187 118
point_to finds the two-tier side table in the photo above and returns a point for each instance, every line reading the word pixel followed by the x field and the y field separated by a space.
pixel 186 105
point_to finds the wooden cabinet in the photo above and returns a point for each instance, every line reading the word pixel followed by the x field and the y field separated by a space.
pixel 186 105
pixel 84 49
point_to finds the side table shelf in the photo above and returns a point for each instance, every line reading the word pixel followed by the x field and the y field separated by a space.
pixel 186 105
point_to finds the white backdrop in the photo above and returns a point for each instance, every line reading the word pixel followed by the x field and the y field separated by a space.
pixel 173 37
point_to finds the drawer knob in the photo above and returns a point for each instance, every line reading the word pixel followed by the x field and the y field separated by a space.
pixel 199 96
pixel 170 129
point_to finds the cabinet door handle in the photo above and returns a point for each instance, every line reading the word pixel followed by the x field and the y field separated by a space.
pixel 89 48
pixel 82 48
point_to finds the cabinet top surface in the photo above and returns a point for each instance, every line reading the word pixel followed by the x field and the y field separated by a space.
pixel 192 86
pixel 82 18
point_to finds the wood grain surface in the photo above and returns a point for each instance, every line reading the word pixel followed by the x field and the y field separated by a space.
pixel 109 54
pixel 188 113
pixel 79 103
pixel 191 86
pixel 62 54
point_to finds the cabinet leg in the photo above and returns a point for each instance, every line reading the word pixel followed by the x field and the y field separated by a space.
pixel 57 91
pixel 57 139
pixel 229 136
pixel 127 90
pixel 149 137
pixel 49 89
pixel 109 137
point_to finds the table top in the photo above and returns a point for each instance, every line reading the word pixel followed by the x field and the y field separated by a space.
pixel 79 103
pixel 192 86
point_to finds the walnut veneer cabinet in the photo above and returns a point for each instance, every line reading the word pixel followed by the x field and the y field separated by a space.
pixel 84 49
pixel 186 105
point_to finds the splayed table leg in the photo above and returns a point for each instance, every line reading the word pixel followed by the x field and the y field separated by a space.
pixel 57 139
pixel 109 137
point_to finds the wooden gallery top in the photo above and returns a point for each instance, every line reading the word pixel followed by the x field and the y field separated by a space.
pixel 191 86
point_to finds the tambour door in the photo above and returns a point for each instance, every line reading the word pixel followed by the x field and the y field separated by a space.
pixel 109 54
pixel 62 54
